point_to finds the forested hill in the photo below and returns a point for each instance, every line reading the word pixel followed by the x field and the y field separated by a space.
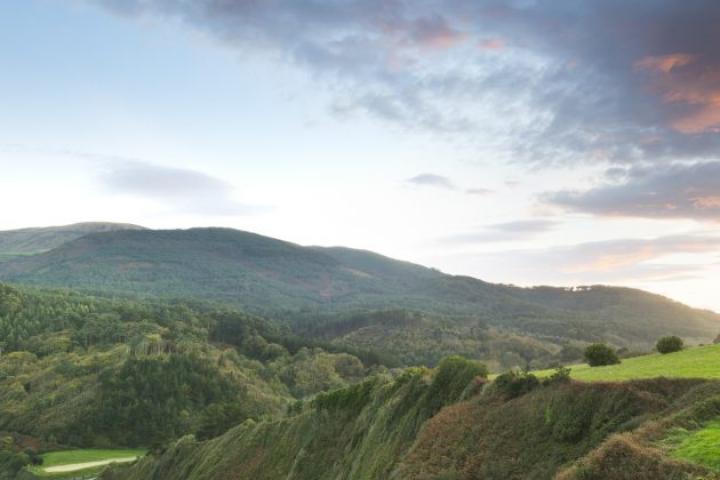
pixel 35 240
pixel 305 284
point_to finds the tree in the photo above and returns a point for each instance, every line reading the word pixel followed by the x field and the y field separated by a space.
pixel 669 344
pixel 599 354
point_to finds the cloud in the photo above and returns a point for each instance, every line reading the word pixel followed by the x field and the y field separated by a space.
pixel 668 191
pixel 621 261
pixel 432 180
pixel 599 80
pixel 479 191
pixel 184 190
pixel 502 232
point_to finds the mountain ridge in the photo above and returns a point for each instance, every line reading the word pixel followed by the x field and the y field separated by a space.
pixel 311 288
pixel 28 241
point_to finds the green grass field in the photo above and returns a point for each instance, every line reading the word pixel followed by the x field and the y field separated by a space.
pixel 72 457
pixel 700 446
pixel 695 362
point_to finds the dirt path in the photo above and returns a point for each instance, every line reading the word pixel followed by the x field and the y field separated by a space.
pixel 72 467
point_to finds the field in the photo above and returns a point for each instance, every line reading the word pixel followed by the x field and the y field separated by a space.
pixel 695 362
pixel 71 463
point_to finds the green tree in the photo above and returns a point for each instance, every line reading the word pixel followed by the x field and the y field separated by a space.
pixel 669 344
pixel 599 354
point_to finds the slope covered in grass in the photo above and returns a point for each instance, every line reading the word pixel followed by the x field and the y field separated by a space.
pixel 695 362
pixel 73 463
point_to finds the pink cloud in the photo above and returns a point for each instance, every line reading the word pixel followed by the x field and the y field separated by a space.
pixel 666 63
pixel 681 79
pixel 492 44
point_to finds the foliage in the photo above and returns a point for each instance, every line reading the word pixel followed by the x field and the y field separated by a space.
pixel 600 354
pixel 514 383
pixel 92 371
pixel 669 344
pixel 359 432
pixel 560 375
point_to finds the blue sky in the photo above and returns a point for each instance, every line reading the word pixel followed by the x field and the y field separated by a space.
pixel 522 142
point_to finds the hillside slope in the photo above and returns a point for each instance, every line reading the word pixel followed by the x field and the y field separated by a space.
pixel 314 287
pixel 87 371
pixel 426 426
pixel 29 241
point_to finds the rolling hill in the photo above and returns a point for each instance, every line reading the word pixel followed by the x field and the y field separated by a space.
pixel 29 241
pixel 319 292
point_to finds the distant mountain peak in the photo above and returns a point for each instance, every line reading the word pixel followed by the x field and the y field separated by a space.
pixel 27 241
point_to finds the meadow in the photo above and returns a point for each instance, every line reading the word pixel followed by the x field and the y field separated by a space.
pixel 694 362
pixel 72 463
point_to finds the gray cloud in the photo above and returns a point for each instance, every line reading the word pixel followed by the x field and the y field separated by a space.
pixel 432 180
pixel 661 191
pixel 555 80
pixel 503 232
pixel 479 191
pixel 184 190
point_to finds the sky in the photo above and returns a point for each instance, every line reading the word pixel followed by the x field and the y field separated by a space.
pixel 554 142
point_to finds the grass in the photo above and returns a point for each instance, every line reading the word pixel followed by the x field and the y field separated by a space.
pixel 701 446
pixel 69 457
pixel 695 362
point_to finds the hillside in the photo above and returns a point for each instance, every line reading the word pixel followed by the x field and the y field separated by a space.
pixel 698 362
pixel 81 371
pixel 29 241
pixel 442 426
pixel 319 290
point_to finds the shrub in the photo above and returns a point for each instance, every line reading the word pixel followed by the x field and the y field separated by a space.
pixel 669 344
pixel 561 375
pixel 513 384
pixel 599 354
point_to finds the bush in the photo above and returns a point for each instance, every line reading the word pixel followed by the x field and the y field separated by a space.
pixel 599 354
pixel 561 375
pixel 513 384
pixel 669 344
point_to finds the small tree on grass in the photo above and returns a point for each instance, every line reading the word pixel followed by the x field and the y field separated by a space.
pixel 669 344
pixel 599 354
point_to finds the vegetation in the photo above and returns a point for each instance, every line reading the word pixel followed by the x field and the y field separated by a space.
pixel 87 371
pixel 669 344
pixel 696 362
pixel 343 296
pixel 514 384
pixel 77 458
pixel 387 428
pixel 600 354
pixel 214 392
pixel 700 446
pixel 358 432
pixel 30 241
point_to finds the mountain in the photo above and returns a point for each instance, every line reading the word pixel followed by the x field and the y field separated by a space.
pixel 360 298
pixel 28 241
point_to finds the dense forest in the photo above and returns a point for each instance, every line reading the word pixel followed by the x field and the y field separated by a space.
pixel 78 370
